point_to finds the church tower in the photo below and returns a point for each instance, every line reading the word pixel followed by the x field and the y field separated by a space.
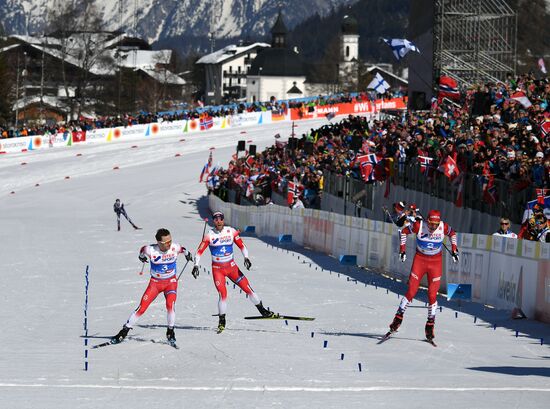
pixel 349 52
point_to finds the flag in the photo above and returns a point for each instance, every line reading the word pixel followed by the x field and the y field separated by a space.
pixel 490 194
pixel 330 115
pixel 400 46
pixel 545 129
pixel 540 195
pixel 448 88
pixel 379 84
pixel 426 166
pixel 366 165
pixel 249 189
pixel 448 168
pixel 542 67
pixel 206 168
pixel 521 98
pixel 545 202
pixel 249 162
pixel 206 122
pixel 294 189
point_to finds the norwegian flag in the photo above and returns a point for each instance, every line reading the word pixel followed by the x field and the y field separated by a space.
pixel 367 164
pixel 490 194
pixel 294 189
pixel 426 165
pixel 249 163
pixel 449 168
pixel 540 195
pixel 448 88
pixel 206 168
pixel 545 129
pixel 206 122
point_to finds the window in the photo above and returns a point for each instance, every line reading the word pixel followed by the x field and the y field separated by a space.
pixel 347 51
pixel 230 69
pixel 239 69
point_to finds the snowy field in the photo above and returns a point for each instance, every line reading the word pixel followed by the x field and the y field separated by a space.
pixel 51 232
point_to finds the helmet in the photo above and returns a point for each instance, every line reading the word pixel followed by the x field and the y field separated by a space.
pixel 434 216
pixel 217 214
pixel 413 207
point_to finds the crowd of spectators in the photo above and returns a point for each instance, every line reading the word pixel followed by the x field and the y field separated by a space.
pixel 488 134
pixel 86 124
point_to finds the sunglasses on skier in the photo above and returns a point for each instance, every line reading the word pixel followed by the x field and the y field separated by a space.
pixel 166 242
pixel 218 217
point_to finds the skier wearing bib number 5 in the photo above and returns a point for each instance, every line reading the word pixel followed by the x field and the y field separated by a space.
pixel 427 260
pixel 220 240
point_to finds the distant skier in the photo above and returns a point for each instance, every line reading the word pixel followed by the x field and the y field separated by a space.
pixel 220 239
pixel 429 243
pixel 118 207
pixel 163 256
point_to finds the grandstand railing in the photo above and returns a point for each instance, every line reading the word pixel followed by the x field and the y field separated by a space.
pixel 510 203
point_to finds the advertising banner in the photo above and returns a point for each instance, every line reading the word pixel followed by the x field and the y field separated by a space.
pixel 15 144
pixel 79 136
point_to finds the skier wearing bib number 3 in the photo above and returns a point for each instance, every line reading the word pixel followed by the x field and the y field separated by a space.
pixel 428 259
pixel 220 239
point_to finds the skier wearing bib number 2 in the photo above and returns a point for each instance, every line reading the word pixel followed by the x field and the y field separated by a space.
pixel 428 259
pixel 220 239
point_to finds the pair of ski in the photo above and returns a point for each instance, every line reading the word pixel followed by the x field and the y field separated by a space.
pixel 273 317
pixel 390 333
pixel 114 341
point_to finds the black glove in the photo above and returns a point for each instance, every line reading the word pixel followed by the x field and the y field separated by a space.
pixel 142 258
pixel 403 257
pixel 247 263
pixel 195 271
pixel 455 256
pixel 188 256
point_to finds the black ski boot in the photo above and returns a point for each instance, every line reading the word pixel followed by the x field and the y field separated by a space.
pixel 121 334
pixel 265 313
pixel 221 323
pixel 429 329
pixel 170 334
pixel 397 320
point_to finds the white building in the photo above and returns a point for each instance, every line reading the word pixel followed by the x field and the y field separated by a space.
pixel 226 72
pixel 277 72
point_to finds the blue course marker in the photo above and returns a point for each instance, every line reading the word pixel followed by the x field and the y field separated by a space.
pixel 348 260
pixel 285 238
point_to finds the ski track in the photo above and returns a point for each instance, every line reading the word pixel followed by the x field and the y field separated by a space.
pixel 52 232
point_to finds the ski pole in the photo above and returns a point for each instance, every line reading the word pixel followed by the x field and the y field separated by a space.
pixel 203 230
pixel 142 267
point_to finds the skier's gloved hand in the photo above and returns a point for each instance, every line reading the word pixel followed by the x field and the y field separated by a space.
pixel 195 272
pixel 247 263
pixel 142 258
pixel 403 257
pixel 455 257
pixel 188 256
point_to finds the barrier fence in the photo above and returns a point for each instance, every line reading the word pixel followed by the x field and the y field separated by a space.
pixel 195 125
pixel 505 273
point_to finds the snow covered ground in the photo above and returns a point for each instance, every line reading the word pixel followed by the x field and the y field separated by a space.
pixel 51 232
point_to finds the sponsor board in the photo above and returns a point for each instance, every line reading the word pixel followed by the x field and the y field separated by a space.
pixel 97 135
pixel 250 118
pixel 15 144
pixel 542 306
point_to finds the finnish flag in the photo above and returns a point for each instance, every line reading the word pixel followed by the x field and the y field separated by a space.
pixel 400 46
pixel 379 84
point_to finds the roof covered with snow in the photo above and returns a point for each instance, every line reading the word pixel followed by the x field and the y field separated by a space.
pixel 229 52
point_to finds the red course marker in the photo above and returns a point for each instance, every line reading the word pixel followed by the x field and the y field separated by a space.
pixel 67 177
pixel 177 154
pixel 115 167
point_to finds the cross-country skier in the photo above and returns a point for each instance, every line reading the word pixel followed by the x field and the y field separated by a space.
pixel 220 239
pixel 163 256
pixel 428 259
pixel 118 207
